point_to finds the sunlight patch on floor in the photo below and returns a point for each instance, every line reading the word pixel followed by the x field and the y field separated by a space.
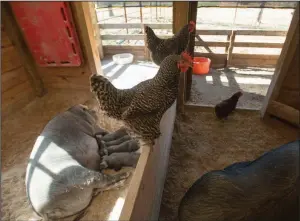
pixel 242 80
pixel 116 211
pixel 104 66
pixel 253 71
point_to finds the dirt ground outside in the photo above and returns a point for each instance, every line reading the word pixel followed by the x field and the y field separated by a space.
pixel 207 18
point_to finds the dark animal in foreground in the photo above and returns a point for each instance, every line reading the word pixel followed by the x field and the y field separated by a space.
pixel 147 107
pixel 65 164
pixel 265 189
pixel 223 109
pixel 161 48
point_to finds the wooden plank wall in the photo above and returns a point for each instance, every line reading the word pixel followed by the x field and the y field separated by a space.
pixel 16 89
pixel 17 85
pixel 74 77
pixel 137 51
pixel 289 91
pixel 283 99
pixel 143 199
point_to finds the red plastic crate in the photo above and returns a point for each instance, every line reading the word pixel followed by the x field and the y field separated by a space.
pixel 49 31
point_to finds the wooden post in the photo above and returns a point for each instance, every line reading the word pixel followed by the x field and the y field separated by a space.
pixel 97 34
pixel 180 15
pixel 192 15
pixel 141 12
pixel 125 15
pixel 146 51
pixel 151 11
pixel 183 12
pixel 15 35
pixel 227 44
pixel 82 16
pixel 181 93
pixel 230 48
pixel 286 56
pixel 156 11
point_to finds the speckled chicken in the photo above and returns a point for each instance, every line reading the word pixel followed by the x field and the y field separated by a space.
pixel 223 109
pixel 161 48
pixel 113 101
pixel 147 107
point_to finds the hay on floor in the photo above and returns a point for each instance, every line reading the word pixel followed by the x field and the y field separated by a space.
pixel 19 132
pixel 201 144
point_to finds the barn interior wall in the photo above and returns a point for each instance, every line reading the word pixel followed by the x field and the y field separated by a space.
pixel 289 91
pixel 16 89
pixel 69 77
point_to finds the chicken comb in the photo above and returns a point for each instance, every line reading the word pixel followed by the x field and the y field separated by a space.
pixel 192 23
pixel 186 56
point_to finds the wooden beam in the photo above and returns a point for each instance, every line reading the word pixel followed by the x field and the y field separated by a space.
pixel 261 32
pixel 136 185
pixel 224 4
pixel 181 93
pixel 238 44
pixel 283 63
pixel 284 112
pixel 206 44
pixel 213 32
pixel 238 55
pixel 227 44
pixel 141 12
pixel 230 48
pixel 146 50
pixel 180 15
pixel 143 198
pixel 96 29
pixel 183 12
pixel 81 12
pixel 125 16
pixel 15 35
pixel 242 32
pixel 134 25
pixel 129 37
pixel 192 16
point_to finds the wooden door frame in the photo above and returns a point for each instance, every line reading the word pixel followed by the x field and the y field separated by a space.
pixel 183 12
pixel 82 14
pixel 283 63
pixel 15 35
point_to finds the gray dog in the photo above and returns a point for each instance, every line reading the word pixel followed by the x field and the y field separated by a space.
pixel 63 172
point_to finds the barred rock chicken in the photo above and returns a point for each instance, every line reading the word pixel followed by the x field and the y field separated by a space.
pixel 113 101
pixel 161 48
pixel 147 107
pixel 223 109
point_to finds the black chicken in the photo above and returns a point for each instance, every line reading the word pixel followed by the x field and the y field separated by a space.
pixel 223 109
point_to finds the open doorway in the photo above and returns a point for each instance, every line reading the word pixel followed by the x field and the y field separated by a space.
pixel 243 41
pixel 121 25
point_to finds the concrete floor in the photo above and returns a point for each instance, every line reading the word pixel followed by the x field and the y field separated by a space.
pixel 220 84
pixel 127 76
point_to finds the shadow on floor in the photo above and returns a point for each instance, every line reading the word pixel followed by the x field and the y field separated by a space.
pixel 128 75
pixel 221 84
